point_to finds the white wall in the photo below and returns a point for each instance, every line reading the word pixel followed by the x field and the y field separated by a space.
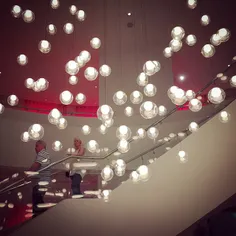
pixel 13 152
pixel 175 197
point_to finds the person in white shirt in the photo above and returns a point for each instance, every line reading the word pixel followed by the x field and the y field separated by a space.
pixel 76 176
pixel 41 161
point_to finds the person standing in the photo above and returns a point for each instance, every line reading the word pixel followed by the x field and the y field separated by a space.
pixel 42 160
pixel 76 176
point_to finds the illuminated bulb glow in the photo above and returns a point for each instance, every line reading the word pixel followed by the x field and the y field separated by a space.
pixel 105 70
pixel 191 40
pixel 86 129
pixel 68 28
pixel 233 81
pixel 80 98
pixel 95 43
pixel 28 16
pixel 177 33
pixel 51 29
pixel 66 97
pixel 81 15
pixel 16 11
pixel 73 9
pixel 224 116
pixel 142 79
pixel 193 127
pixel 192 4
pixel 205 20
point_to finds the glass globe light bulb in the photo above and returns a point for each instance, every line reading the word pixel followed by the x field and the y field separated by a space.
pixel 182 157
pixel 90 73
pixel 86 130
pixel 42 84
pixel 151 67
pixel 105 70
pixel 22 59
pixel 80 15
pixel 28 16
pixel 80 98
pixel 224 117
pixel 150 90
pixel 123 132
pixel 143 172
pixel 44 46
pixel 233 81
pixel 134 176
pixel 95 43
pixel 62 123
pixel 120 163
pixel 108 123
pixel 16 11
pixel 179 97
pixel 68 28
pixel 29 83
pixel 216 95
pixel 73 80
pixel 224 34
pixel 190 94
pixel 215 40
pixel 195 105
pixel 119 171
pixel 66 97
pixel 107 173
pixel 72 67
pixel 13 100
pixel 57 146
pixel 25 137
pixel 129 111
pixel 141 133
pixel 136 97
pixel 51 29
pixel 36 132
pixel 80 61
pixel 2 108
pixel 148 110
pixel 120 98
pixel 92 146
pixel 192 4
pixel 102 129
pixel 168 52
pixel 177 33
pixel 106 194
pixel 73 9
pixel 191 40
pixel 54 116
pixel 162 111
pixel 105 112
pixel 175 45
pixel 55 4
pixel 123 146
pixel 85 56
pixel 193 127
pixel 142 79
pixel 205 20
pixel 171 91
pixel 152 133
pixel 208 51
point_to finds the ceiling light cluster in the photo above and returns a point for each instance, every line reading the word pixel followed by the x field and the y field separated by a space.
pixel 37 86
pixel 222 35
pixel 105 113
